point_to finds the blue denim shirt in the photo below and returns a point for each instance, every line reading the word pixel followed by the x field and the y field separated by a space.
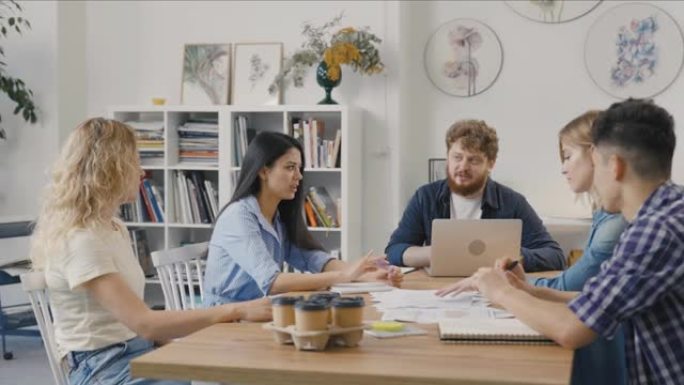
pixel 246 253
pixel 432 201
pixel 604 234
pixel 603 361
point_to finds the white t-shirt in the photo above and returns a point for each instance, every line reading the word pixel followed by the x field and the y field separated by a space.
pixel 466 208
pixel 81 323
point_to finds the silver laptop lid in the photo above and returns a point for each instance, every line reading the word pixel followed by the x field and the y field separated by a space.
pixel 461 246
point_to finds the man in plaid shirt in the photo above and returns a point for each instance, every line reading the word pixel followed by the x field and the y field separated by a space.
pixel 642 285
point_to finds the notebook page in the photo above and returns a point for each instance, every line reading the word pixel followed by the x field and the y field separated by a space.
pixel 486 328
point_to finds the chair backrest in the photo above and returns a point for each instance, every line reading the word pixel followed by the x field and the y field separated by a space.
pixel 35 287
pixel 180 269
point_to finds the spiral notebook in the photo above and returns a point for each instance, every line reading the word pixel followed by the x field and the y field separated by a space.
pixel 476 330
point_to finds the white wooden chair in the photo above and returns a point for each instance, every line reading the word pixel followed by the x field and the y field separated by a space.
pixel 179 269
pixel 33 283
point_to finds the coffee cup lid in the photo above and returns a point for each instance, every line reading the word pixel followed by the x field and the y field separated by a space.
pixel 326 296
pixel 285 300
pixel 348 302
pixel 312 305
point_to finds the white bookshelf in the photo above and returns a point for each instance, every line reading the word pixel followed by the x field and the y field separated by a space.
pixel 341 182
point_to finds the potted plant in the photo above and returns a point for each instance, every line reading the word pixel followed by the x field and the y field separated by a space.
pixel 14 88
pixel 350 46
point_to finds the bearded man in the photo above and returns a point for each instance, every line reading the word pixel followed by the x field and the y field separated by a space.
pixel 468 192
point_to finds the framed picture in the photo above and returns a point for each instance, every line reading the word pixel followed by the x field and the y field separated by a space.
pixel 206 74
pixel 463 57
pixel 436 169
pixel 634 50
pixel 552 12
pixel 254 68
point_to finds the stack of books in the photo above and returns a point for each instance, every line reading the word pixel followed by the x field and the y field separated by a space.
pixel 199 141
pixel 149 207
pixel 150 139
pixel 241 138
pixel 320 209
pixel 318 152
pixel 195 198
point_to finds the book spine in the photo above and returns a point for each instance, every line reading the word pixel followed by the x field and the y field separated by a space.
pixel 307 144
pixel 153 201
pixel 320 208
pixel 197 180
pixel 148 205
pixel 314 142
pixel 310 216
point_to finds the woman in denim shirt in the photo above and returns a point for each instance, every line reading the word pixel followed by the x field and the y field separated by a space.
pixel 262 227
pixel 602 362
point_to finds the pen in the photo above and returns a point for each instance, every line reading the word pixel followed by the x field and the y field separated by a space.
pixel 511 265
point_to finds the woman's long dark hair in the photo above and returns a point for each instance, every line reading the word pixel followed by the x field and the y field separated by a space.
pixel 262 152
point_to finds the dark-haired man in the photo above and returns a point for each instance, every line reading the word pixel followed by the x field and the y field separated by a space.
pixel 468 192
pixel 642 285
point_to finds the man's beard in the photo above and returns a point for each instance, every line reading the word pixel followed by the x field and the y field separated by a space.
pixel 468 189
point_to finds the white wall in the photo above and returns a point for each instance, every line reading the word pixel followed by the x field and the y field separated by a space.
pixel 543 85
pixel 26 154
pixel 111 53
pixel 134 52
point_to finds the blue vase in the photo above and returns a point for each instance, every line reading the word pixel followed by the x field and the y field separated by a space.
pixel 327 83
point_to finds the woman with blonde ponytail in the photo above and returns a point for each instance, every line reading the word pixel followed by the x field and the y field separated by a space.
pixel 94 279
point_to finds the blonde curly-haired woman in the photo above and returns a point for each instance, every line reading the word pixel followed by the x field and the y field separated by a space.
pixel 95 282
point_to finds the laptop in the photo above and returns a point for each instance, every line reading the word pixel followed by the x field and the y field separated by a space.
pixel 461 246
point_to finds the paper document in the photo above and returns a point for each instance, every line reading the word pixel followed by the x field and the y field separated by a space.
pixel 424 306
pixel 426 299
pixel 360 287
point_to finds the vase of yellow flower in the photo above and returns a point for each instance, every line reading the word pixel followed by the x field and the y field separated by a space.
pixel 325 80
pixel 350 46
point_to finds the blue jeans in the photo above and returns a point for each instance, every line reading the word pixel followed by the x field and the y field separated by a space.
pixel 110 365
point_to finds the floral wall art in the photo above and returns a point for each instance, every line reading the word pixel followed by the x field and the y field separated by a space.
pixel 552 11
pixel 255 65
pixel 206 74
pixel 634 50
pixel 463 57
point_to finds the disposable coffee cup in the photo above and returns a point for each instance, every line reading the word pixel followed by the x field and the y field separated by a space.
pixel 284 310
pixel 311 315
pixel 327 297
pixel 348 312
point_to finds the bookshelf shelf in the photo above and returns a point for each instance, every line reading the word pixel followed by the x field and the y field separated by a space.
pixel 325 229
pixel 337 171
pixel 144 224
pixel 190 225
pixel 199 167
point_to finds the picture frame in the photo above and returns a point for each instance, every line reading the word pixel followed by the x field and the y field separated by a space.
pixel 634 50
pixel 255 65
pixel 437 169
pixel 463 57
pixel 205 76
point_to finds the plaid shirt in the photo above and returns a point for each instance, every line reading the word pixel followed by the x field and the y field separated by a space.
pixel 642 286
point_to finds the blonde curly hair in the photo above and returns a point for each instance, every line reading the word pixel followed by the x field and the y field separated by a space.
pixel 92 176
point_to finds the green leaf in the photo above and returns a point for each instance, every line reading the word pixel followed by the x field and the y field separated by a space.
pixel 10 21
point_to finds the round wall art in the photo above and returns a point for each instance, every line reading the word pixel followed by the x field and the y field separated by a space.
pixel 463 57
pixel 552 11
pixel 634 50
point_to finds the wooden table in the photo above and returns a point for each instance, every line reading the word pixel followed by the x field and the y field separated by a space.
pixel 244 353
